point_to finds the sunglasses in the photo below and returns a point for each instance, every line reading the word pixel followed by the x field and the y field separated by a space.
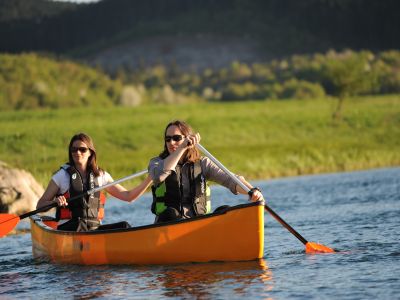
pixel 175 138
pixel 80 149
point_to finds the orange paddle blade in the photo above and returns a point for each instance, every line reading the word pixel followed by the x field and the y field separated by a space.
pixel 313 248
pixel 7 223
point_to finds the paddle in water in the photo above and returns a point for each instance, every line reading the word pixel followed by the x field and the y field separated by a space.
pixel 311 247
pixel 9 221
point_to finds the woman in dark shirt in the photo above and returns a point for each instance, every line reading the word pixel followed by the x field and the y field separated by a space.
pixel 180 176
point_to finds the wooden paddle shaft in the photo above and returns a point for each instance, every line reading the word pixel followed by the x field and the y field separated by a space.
pixel 286 225
pixel 243 186
pixel 116 182
pixel 221 166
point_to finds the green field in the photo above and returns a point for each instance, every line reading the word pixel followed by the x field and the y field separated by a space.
pixel 259 140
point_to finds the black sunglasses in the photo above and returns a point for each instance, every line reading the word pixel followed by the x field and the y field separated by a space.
pixel 175 138
pixel 80 149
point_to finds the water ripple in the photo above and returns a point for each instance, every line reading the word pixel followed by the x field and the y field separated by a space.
pixel 356 213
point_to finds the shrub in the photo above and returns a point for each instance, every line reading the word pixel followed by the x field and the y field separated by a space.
pixel 236 91
pixel 130 96
pixel 299 89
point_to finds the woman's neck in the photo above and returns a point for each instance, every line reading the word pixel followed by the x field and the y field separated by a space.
pixel 82 169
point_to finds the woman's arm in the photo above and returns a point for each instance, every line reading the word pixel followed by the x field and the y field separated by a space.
pixel 172 160
pixel 48 195
pixel 123 194
pixel 156 170
pixel 160 169
pixel 214 173
pixel 255 196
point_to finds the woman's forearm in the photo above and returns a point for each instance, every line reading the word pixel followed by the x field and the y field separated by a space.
pixel 48 195
pixel 172 160
pixel 123 194
pixel 139 190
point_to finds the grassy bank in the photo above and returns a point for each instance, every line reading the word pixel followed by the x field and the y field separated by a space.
pixel 255 139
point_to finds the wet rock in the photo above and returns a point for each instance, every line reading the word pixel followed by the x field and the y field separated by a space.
pixel 19 191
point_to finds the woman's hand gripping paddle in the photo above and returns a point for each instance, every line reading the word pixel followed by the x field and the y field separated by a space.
pixel 9 221
pixel 311 247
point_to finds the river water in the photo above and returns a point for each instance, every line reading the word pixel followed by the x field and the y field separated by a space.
pixel 356 213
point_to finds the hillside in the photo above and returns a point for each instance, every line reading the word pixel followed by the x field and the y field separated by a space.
pixel 193 32
pixel 189 53
pixel 31 81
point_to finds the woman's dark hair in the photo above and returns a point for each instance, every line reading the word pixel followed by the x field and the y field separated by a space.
pixel 92 161
pixel 192 154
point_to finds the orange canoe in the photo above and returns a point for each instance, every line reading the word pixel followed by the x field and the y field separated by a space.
pixel 237 234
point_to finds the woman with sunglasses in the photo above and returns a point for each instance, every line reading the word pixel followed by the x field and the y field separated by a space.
pixel 180 176
pixel 80 174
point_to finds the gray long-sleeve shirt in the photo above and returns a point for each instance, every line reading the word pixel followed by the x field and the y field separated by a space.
pixel 210 171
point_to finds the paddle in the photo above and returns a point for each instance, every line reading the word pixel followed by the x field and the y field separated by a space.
pixel 9 221
pixel 311 247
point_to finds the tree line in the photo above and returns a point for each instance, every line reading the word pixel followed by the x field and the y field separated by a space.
pixel 285 27
pixel 29 81
pixel 337 74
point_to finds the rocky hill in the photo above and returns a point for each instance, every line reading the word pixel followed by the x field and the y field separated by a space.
pixel 196 33
pixel 189 53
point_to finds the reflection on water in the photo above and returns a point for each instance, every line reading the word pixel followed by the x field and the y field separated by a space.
pixel 200 280
pixel 180 281
pixel 90 285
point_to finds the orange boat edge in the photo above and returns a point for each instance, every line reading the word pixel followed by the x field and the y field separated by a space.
pixel 236 234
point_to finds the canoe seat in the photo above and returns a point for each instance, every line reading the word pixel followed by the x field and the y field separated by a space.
pixel 49 221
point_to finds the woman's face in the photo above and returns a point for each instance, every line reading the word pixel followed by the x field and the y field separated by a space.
pixel 80 153
pixel 173 138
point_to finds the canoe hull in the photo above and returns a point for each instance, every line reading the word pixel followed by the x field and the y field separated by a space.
pixel 235 235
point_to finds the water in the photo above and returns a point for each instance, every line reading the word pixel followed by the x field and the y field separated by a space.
pixel 357 213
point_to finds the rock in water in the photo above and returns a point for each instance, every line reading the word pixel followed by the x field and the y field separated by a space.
pixel 19 191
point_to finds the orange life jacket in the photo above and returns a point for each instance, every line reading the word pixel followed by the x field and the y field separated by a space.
pixel 63 213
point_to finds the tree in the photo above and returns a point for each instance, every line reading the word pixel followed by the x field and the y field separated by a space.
pixel 347 74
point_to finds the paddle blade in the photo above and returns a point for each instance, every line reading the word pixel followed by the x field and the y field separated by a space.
pixel 7 223
pixel 314 248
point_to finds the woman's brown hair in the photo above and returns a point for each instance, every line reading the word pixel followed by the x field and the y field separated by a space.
pixel 192 154
pixel 92 161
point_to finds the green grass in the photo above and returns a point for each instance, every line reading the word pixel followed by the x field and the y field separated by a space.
pixel 259 140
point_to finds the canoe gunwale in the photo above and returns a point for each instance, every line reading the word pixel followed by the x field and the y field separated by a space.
pixel 39 221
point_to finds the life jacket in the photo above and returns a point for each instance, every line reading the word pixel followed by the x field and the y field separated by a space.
pixel 87 207
pixel 169 193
